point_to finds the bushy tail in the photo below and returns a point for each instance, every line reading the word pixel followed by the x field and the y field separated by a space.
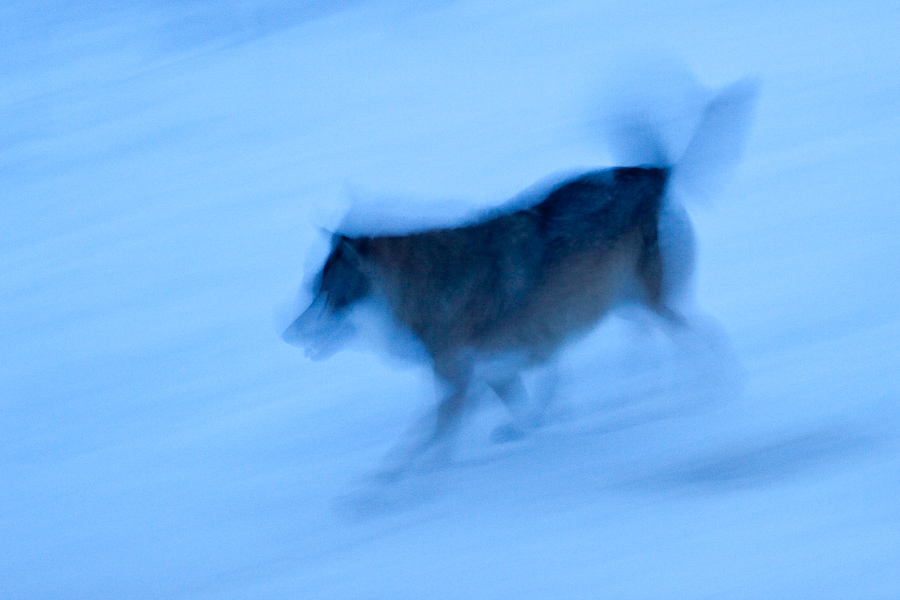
pixel 717 143
pixel 662 117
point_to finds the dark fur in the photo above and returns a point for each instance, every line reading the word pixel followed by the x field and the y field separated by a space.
pixel 521 283
pixel 491 298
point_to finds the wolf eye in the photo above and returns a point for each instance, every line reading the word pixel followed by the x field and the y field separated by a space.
pixel 341 281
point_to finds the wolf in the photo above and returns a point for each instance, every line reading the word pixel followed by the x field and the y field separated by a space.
pixel 491 298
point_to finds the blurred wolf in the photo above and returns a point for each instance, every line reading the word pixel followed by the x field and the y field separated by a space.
pixel 491 298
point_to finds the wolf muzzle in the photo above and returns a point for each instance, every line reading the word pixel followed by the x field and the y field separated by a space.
pixel 319 330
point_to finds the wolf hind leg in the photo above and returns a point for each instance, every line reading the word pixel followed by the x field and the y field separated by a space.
pixel 662 276
pixel 667 262
pixel 650 275
pixel 702 359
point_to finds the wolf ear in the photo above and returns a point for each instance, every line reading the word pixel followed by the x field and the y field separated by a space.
pixel 352 247
pixel 343 278
pixel 340 243
pixel 345 244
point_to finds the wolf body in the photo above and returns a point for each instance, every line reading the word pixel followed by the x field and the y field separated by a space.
pixel 508 291
pixel 491 298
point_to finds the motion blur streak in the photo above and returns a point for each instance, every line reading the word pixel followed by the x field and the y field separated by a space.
pixel 164 169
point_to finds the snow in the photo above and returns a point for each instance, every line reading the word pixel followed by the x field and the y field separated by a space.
pixel 164 168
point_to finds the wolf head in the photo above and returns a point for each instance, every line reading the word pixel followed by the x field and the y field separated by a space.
pixel 342 281
pixel 323 328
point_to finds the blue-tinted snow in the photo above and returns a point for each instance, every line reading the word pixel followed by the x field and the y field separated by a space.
pixel 163 171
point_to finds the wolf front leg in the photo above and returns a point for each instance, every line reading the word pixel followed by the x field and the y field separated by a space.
pixel 514 396
pixel 454 379
pixel 429 442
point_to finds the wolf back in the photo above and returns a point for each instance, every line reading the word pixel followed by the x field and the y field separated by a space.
pixel 515 282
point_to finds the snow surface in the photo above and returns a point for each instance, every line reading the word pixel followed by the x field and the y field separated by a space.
pixel 163 169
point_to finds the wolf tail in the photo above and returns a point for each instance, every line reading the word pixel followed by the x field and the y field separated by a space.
pixel 663 118
pixel 717 142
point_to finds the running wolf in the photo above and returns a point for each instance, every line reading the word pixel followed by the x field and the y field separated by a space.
pixel 491 298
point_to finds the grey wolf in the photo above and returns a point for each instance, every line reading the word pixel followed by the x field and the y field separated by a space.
pixel 490 298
